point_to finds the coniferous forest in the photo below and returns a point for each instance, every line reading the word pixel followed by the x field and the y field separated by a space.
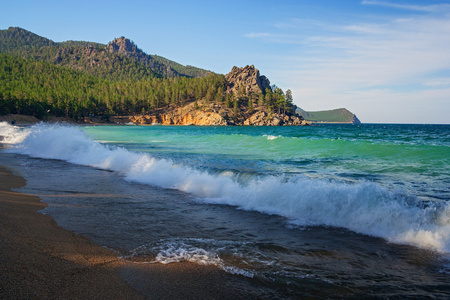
pixel 77 79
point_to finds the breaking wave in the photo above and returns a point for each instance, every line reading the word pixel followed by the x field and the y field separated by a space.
pixel 362 207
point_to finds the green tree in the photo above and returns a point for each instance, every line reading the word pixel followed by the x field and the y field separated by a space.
pixel 250 105
pixel 219 95
pixel 241 92
pixel 235 106
pixel 281 103
pixel 268 97
pixel 289 99
pixel 260 99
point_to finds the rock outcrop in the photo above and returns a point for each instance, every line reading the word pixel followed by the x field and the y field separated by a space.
pixel 261 118
pixel 245 83
pixel 126 47
pixel 249 78
pixel 211 115
pixel 123 46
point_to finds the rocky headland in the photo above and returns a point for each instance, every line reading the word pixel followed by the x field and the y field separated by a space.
pixel 244 85
pixel 334 116
pixel 87 82
pixel 211 114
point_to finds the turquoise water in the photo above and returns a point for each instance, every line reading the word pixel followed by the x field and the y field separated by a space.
pixel 414 157
pixel 320 211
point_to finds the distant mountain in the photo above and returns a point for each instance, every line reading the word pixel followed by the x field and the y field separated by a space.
pixel 120 60
pixel 340 115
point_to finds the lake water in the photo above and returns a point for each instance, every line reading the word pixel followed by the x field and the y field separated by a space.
pixel 328 211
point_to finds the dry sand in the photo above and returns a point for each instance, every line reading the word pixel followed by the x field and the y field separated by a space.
pixel 38 259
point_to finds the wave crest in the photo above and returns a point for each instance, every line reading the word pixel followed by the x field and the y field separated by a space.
pixel 363 207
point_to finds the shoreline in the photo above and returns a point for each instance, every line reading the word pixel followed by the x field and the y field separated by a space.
pixel 26 120
pixel 39 259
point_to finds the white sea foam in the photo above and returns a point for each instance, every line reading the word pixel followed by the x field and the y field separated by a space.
pixel 180 251
pixel 199 251
pixel 11 134
pixel 271 137
pixel 362 207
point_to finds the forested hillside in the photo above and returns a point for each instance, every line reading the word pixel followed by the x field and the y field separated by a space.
pixel 120 60
pixel 78 79
pixel 39 88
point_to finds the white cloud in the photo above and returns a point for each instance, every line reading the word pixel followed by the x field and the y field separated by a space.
pixel 382 70
pixel 397 55
pixel 258 35
pixel 424 8
pixel 438 82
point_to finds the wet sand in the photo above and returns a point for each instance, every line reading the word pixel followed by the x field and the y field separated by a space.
pixel 38 259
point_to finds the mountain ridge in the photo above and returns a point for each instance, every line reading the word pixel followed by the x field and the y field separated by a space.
pixel 111 57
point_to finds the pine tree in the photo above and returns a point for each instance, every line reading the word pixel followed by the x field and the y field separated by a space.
pixel 268 98
pixel 289 99
pixel 235 107
pixel 241 92
pixel 260 99
pixel 219 95
pixel 250 105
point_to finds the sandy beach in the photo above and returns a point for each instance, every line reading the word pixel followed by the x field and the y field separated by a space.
pixel 39 259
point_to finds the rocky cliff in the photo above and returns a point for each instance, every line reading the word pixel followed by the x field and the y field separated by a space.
pixel 123 46
pixel 211 114
pixel 247 77
pixel 243 86
pixel 126 47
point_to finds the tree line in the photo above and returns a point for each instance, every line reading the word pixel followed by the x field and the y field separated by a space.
pixel 42 89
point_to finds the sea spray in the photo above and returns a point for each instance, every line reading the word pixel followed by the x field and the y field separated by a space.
pixel 11 134
pixel 363 207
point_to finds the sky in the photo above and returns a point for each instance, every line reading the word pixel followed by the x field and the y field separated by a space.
pixel 386 61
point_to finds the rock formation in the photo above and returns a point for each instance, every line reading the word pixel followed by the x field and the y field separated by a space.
pixel 249 78
pixel 123 46
pixel 211 115
pixel 202 112
pixel 126 47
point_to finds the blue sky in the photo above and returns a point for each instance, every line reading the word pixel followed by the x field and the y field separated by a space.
pixel 386 61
